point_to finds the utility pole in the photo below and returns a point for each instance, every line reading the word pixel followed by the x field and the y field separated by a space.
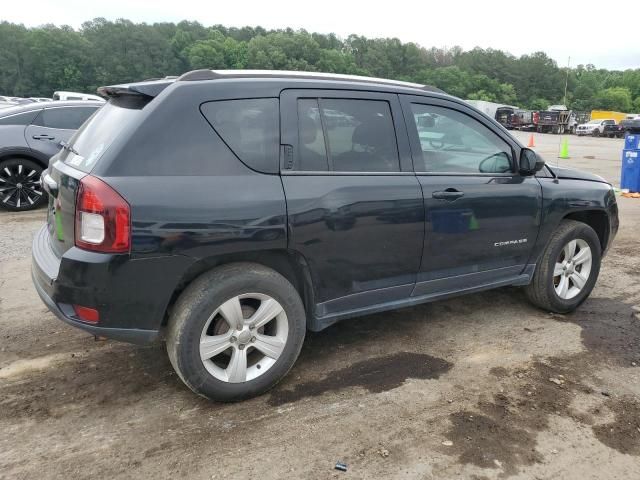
pixel 566 82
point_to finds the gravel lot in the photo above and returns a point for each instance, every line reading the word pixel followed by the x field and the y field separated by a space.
pixel 480 387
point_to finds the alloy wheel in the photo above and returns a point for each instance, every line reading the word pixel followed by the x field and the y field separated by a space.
pixel 19 186
pixel 572 269
pixel 244 337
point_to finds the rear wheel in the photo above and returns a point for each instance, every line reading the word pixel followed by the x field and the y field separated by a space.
pixel 20 184
pixel 568 268
pixel 236 331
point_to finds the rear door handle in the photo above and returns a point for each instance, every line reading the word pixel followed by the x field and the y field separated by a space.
pixel 43 137
pixel 450 194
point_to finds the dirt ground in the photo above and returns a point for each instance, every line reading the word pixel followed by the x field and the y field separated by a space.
pixel 479 387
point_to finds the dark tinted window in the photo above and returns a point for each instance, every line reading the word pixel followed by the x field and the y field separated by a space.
pixel 454 142
pixel 19 119
pixel 360 135
pixel 66 118
pixel 312 153
pixel 251 128
pixel 95 136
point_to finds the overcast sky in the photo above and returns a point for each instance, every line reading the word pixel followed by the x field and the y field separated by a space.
pixel 587 31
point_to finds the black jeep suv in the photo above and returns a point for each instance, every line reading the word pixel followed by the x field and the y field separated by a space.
pixel 234 210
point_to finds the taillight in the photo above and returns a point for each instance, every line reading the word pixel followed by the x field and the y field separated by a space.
pixel 103 218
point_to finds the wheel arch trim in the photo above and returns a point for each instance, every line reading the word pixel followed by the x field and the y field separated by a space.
pixel 288 263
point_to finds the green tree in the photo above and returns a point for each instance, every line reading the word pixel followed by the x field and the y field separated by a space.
pixel 614 98
pixel 37 61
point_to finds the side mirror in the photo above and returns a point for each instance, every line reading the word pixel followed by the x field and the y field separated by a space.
pixel 530 162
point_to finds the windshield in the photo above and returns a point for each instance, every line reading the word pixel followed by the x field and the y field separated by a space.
pixel 99 131
pixel 594 122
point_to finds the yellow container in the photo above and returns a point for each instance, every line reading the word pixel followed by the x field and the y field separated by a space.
pixel 607 115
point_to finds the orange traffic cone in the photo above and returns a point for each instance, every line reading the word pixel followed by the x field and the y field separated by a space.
pixel 531 142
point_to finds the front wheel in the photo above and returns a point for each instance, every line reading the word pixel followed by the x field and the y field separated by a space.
pixel 568 268
pixel 236 331
pixel 20 185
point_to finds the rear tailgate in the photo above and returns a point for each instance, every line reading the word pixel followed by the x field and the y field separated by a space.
pixel 77 160
pixel 548 118
pixel 61 183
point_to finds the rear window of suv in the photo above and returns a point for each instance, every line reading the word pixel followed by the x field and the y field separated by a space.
pixel 96 135
pixel 250 128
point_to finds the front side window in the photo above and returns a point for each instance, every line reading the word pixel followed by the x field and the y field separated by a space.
pixel 64 118
pixel 452 142
pixel 346 135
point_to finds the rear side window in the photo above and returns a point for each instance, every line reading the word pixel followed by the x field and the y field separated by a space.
pixel 346 135
pixel 250 127
pixel 312 152
pixel 64 118
pixel 19 119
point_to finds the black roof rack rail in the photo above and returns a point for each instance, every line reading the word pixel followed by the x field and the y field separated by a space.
pixel 202 74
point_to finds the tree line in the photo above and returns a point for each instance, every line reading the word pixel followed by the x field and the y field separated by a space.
pixel 37 61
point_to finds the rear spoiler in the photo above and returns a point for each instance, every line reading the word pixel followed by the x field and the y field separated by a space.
pixel 150 88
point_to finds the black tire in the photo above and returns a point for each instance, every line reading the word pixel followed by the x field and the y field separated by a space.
pixel 29 195
pixel 201 299
pixel 541 291
pixel 596 133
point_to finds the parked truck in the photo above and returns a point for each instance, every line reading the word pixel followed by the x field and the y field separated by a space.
pixel 524 120
pixel 557 119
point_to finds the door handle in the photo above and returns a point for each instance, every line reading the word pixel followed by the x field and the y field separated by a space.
pixel 450 194
pixel 43 137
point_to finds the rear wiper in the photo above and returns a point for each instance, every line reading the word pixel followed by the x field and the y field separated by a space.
pixel 68 147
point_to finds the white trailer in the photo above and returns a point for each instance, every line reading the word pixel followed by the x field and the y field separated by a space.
pixel 489 108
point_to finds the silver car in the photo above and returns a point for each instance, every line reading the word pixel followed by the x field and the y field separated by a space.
pixel 30 134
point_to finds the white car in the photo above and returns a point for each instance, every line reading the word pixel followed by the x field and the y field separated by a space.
pixel 76 96
pixel 594 127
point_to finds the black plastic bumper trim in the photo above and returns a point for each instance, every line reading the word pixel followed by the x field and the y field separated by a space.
pixel 130 335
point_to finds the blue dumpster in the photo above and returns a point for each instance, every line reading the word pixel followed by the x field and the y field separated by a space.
pixel 630 176
pixel 632 141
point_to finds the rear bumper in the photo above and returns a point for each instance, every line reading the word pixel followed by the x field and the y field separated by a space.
pixel 131 295
pixel 130 335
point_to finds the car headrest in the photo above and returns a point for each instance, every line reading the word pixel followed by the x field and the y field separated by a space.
pixel 308 129
pixel 373 133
